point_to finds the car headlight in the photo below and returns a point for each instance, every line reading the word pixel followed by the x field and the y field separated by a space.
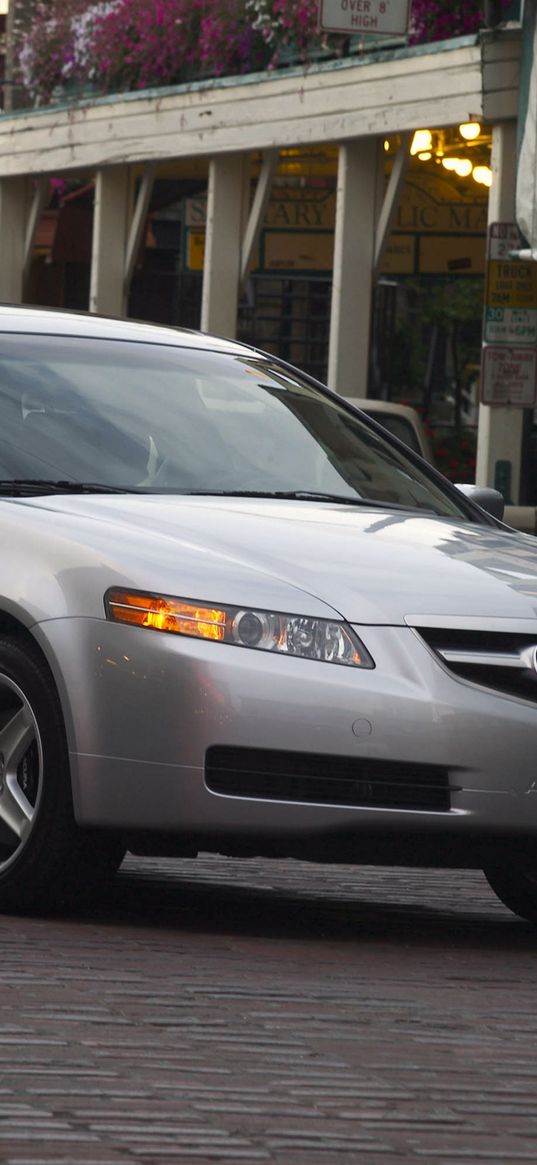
pixel 297 635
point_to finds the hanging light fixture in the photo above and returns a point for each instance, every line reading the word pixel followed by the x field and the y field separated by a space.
pixel 470 130
pixel 461 150
pixel 483 175
pixel 421 142
pixel 460 166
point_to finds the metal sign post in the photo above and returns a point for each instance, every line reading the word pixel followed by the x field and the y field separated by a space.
pixel 511 290
pixel 509 367
pixel 526 185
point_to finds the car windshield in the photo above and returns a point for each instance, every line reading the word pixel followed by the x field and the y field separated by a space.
pixel 158 418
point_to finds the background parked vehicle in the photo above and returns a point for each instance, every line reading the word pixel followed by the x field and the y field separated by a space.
pixel 402 421
pixel 406 424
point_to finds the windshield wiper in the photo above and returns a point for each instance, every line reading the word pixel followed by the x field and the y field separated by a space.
pixel 305 495
pixel 30 486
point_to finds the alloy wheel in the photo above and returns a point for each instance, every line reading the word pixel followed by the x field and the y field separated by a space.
pixel 21 771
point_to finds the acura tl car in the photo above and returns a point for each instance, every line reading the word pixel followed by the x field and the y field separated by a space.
pixel 237 616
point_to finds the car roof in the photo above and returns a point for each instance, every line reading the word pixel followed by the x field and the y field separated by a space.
pixel 50 321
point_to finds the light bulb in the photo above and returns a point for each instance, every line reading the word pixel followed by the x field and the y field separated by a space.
pixel 483 174
pixel 470 130
pixel 460 166
pixel 422 140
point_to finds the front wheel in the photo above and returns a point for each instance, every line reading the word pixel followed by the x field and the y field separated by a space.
pixel 516 887
pixel 45 859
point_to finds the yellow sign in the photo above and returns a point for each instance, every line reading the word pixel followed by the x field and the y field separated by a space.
pixel 289 208
pixel 433 204
pixel 511 283
pixel 300 251
pixel 449 255
pixel 195 250
pixel 301 209
pixel 400 255
pixel 438 230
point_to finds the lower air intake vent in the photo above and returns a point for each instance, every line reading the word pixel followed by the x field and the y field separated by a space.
pixel 315 778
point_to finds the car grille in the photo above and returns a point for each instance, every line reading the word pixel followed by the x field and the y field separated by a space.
pixel 503 661
pixel 270 774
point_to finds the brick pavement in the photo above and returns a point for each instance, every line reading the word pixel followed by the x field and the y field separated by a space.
pixel 244 1012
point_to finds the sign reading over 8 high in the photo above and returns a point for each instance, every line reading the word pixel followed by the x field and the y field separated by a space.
pixel 373 17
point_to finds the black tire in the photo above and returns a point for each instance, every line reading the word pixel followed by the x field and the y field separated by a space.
pixel 45 859
pixel 516 887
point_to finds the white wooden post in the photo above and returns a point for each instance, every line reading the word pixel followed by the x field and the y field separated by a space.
pixel 14 199
pixel 223 244
pixel 110 230
pixel 354 252
pixel 499 434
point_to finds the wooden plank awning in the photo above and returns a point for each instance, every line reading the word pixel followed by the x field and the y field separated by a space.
pixel 336 101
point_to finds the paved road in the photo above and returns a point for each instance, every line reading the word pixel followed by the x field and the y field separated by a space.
pixel 244 1012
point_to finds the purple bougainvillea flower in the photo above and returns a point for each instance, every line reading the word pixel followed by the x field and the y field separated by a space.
pixel 137 44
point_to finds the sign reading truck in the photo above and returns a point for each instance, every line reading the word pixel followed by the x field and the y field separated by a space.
pixel 376 17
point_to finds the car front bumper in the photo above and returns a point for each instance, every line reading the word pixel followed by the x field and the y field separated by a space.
pixel 142 708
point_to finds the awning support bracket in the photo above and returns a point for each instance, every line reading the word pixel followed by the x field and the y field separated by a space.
pixel 391 200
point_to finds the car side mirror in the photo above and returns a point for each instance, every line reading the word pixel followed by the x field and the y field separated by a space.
pixel 490 500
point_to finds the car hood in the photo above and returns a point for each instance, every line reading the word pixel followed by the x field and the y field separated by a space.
pixel 370 566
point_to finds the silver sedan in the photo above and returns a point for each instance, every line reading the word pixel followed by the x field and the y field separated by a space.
pixel 236 616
